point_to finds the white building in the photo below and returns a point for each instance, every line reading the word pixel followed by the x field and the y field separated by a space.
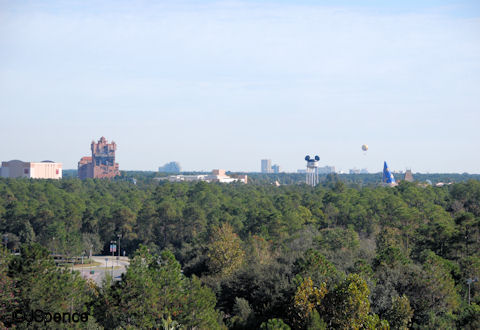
pixel 215 176
pixel 43 170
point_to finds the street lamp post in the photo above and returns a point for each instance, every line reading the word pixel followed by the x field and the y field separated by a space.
pixel 106 266
pixel 119 238
pixel 119 249
pixel 469 282
pixel 113 246
pixel 83 273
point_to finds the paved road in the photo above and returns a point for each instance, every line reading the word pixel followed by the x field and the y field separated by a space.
pixel 117 267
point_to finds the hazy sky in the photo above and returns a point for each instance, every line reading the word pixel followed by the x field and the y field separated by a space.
pixel 223 84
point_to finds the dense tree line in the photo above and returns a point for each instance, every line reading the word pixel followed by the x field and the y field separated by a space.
pixel 360 180
pixel 247 256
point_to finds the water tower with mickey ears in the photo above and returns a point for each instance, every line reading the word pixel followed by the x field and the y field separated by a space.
pixel 312 170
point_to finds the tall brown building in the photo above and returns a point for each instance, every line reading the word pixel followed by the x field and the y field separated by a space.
pixel 408 176
pixel 102 162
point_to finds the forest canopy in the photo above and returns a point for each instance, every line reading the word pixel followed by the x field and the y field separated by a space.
pixel 247 256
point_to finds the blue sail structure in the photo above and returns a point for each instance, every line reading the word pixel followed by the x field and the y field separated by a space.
pixel 387 175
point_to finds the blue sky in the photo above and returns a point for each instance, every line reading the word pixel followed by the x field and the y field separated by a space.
pixel 223 84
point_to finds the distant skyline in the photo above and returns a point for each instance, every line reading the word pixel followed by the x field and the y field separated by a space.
pixel 224 84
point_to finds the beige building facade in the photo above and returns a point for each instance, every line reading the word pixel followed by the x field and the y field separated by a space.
pixel 42 170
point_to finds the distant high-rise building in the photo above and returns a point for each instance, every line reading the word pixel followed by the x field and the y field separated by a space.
pixel 408 176
pixel 354 171
pixel 102 162
pixel 326 170
pixel 276 168
pixel 266 166
pixel 42 170
pixel 172 167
